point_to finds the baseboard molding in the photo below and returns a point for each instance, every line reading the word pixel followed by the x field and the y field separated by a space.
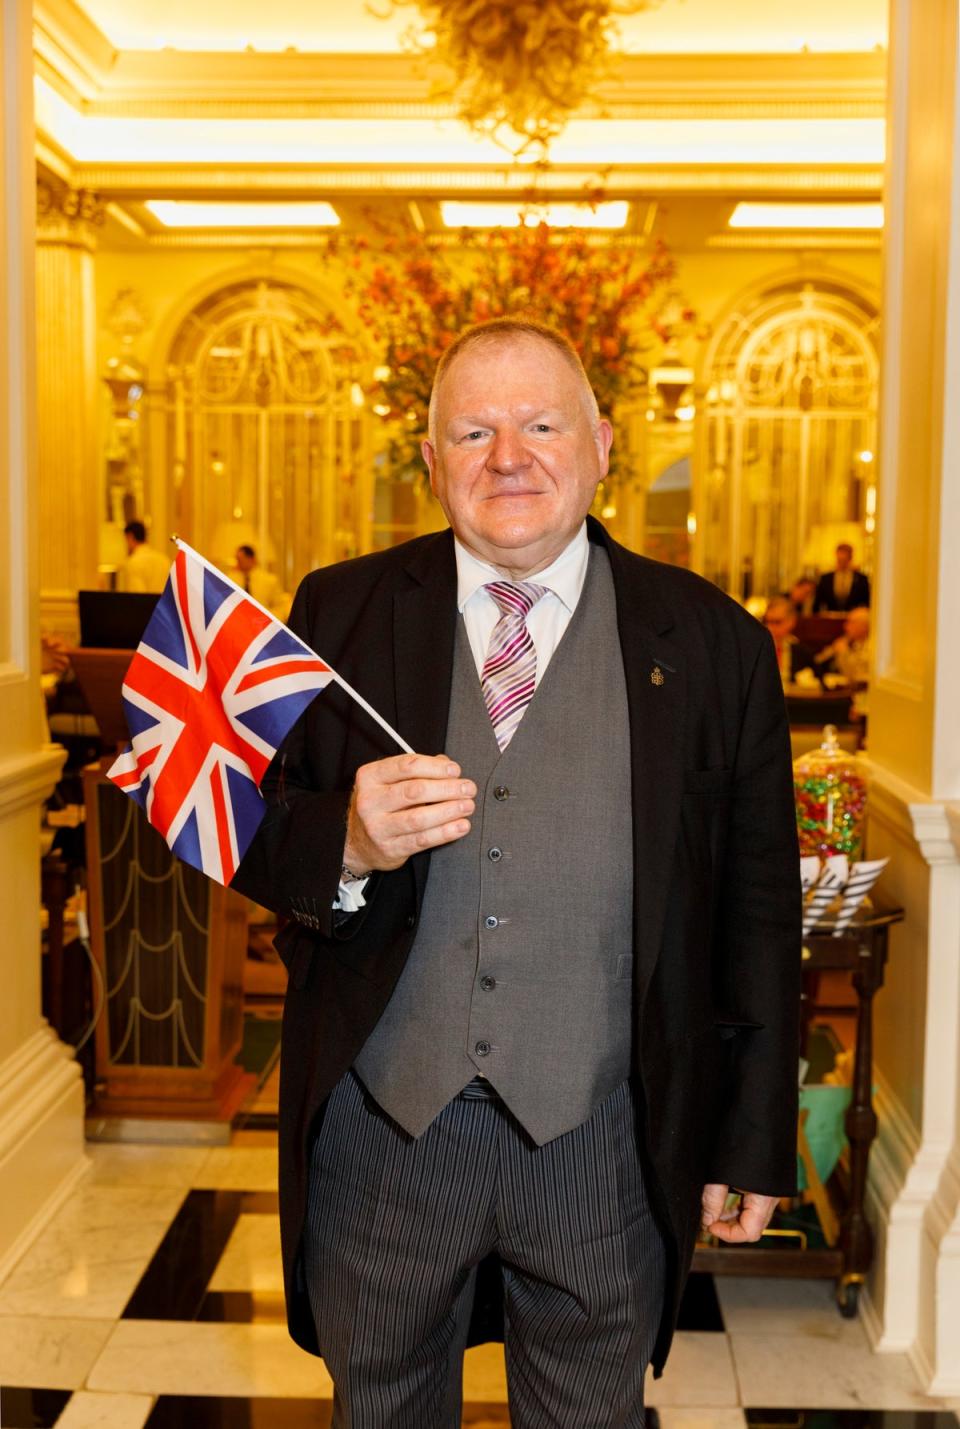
pixel 41 1138
pixel 921 1365
pixel 942 1386
pixel 943 1214
pixel 32 1080
pixel 871 1322
pixel 913 1196
pixel 897 1195
pixel 43 1215
pixel 898 1151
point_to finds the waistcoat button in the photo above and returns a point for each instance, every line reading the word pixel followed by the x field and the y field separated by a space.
pixel 482 1049
pixel 488 983
pixel 491 921
pixel 501 792
pixel 495 854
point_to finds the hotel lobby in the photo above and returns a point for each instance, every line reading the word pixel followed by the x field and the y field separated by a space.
pixel 236 239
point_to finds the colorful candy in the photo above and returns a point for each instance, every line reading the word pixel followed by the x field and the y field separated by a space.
pixel 831 795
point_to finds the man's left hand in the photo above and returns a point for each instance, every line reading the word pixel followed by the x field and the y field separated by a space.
pixel 745 1222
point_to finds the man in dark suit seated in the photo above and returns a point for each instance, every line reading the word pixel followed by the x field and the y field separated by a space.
pixel 543 1008
pixel 843 588
pixel 780 618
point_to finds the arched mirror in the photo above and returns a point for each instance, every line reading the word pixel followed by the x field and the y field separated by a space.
pixel 785 446
pixel 268 435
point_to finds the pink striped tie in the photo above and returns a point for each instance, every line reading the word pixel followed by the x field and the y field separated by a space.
pixel 509 674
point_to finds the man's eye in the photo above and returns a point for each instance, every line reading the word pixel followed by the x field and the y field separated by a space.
pixel 542 427
pixel 471 435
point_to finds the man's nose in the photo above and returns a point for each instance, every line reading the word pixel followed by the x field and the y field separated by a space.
pixel 508 452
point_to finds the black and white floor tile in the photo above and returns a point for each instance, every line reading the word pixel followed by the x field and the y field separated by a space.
pixel 154 1299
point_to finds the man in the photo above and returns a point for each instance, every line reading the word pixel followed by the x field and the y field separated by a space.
pixel 262 585
pixel 144 570
pixel 780 618
pixel 564 1020
pixel 849 654
pixel 843 588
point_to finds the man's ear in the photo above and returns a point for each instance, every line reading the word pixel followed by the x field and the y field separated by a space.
pixel 604 441
pixel 430 458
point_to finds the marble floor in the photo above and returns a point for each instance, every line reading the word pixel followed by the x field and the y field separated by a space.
pixel 153 1298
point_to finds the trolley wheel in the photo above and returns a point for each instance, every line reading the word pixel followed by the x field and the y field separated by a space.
pixel 848 1298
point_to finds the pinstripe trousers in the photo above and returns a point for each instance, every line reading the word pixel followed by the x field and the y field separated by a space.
pixel 396 1227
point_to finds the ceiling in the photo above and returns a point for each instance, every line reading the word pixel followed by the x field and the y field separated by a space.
pixel 351 26
pixel 706 104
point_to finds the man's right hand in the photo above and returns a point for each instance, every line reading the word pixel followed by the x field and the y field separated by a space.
pixel 402 805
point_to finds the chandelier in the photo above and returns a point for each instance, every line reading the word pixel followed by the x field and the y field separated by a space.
pixel 519 69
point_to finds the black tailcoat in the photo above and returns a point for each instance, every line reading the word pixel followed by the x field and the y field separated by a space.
pixel 857 595
pixel 716 873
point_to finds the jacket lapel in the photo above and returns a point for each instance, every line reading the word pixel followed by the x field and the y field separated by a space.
pixel 424 627
pixel 656 699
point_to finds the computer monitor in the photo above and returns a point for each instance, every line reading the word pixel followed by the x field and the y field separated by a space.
pixel 113 619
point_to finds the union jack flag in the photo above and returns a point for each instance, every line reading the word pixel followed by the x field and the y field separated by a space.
pixel 212 690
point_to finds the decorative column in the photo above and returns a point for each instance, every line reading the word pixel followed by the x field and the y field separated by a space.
pixel 68 473
pixel 914 1299
pixel 41 1094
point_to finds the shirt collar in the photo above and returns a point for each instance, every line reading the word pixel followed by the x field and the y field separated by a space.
pixel 564 576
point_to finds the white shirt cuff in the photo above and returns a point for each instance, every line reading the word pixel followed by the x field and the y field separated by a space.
pixel 350 897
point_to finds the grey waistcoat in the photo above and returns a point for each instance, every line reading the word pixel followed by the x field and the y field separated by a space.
pixel 521 968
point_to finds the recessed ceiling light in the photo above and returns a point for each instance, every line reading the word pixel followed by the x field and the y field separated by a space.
pixel 612 214
pixel 174 213
pixel 807 215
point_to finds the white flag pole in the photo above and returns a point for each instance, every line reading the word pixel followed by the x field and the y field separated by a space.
pixel 269 613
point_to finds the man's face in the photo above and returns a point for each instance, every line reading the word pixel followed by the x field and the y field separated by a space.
pixel 244 562
pixel 844 557
pixel 780 622
pixel 516 463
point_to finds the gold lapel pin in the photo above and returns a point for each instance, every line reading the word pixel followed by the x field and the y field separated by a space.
pixel 656 675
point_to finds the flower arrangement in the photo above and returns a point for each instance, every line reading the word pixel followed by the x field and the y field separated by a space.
pixel 612 299
pixel 519 65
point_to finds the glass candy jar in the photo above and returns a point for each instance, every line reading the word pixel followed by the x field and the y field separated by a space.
pixel 831 794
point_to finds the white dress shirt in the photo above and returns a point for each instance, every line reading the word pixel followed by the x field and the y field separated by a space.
pixel 547 620
pixel 842 583
pixel 546 623
pixel 145 570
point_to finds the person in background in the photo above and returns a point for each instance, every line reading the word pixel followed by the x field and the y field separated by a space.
pixel 263 585
pixel 145 569
pixel 849 654
pixel 803 594
pixel 54 664
pixel 780 618
pixel 54 656
pixel 844 588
